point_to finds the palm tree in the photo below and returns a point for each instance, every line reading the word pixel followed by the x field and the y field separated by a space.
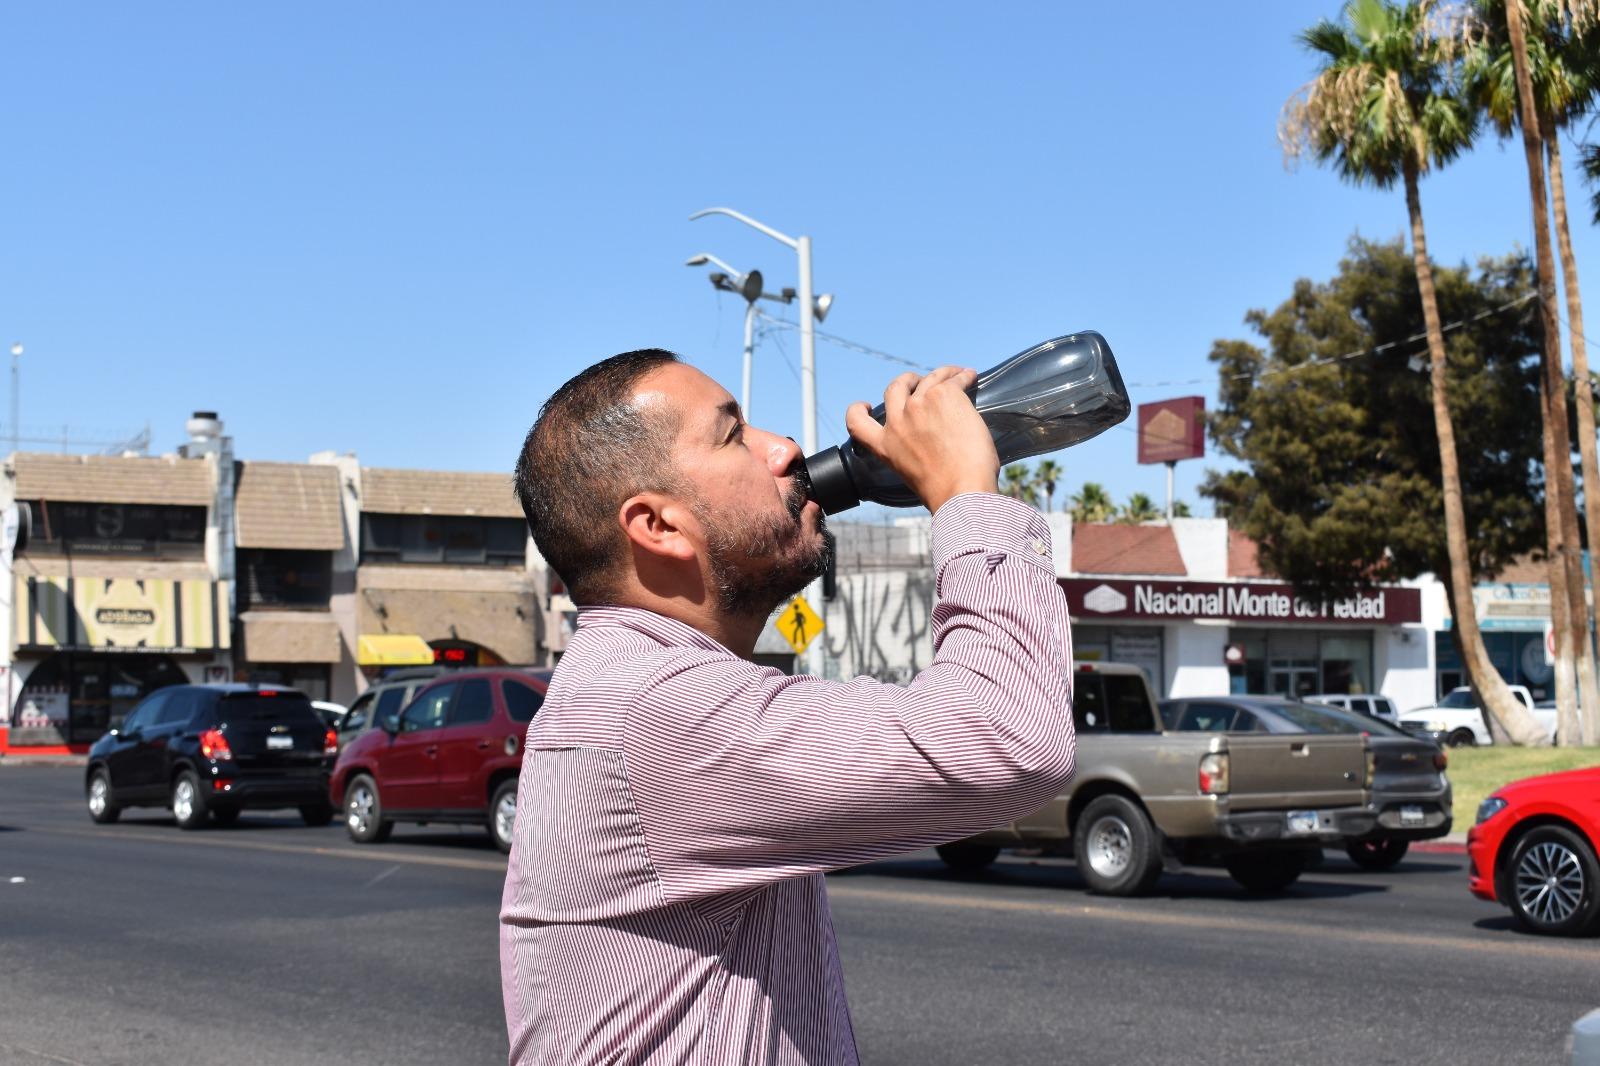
pixel 1380 110
pixel 1092 504
pixel 1047 474
pixel 1180 509
pixel 1557 57
pixel 1016 481
pixel 1139 508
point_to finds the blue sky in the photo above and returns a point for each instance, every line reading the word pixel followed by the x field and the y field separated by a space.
pixel 393 229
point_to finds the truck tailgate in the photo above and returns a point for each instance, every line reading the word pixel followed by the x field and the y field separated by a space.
pixel 1277 771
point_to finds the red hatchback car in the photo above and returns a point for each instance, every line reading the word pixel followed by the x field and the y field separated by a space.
pixel 451 755
pixel 1534 850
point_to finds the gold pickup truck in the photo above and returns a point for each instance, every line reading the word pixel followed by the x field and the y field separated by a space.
pixel 1143 800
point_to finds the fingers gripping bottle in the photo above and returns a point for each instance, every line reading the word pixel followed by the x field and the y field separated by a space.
pixel 1054 395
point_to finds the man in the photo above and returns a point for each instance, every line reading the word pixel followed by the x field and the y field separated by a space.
pixel 679 804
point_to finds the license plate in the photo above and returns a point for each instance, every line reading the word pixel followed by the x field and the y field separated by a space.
pixel 1302 821
pixel 280 743
pixel 1411 814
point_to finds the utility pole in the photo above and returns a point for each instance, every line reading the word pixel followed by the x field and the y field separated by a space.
pixel 16 397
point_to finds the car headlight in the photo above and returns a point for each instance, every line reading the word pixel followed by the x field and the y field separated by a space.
pixel 1489 808
pixel 1438 727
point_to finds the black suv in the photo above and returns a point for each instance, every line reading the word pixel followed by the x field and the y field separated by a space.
pixel 212 751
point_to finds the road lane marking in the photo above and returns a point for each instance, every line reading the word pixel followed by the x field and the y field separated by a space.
pixel 289 849
pixel 45 1055
pixel 1383 938
pixel 390 872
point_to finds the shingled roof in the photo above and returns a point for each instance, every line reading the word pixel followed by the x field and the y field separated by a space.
pixel 113 479
pixel 289 505
pixel 1124 549
pixel 437 492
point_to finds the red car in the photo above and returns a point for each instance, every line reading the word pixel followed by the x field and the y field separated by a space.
pixel 451 755
pixel 1534 850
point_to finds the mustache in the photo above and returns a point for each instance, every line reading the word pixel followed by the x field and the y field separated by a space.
pixel 799 492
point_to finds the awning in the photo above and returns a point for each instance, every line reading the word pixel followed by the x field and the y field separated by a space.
pixel 393 649
pixel 289 637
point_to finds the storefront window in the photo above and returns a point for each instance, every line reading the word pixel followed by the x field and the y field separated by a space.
pixel 1519 657
pixel 162 531
pixel 73 698
pixel 310 678
pixel 1140 646
pixel 1301 662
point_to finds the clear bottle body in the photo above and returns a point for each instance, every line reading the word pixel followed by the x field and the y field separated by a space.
pixel 1051 396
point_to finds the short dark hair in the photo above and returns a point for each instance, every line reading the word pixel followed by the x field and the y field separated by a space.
pixel 590 449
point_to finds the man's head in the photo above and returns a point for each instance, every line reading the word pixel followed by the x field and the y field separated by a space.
pixel 640 476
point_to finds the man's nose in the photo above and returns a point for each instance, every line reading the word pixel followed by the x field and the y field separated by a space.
pixel 782 454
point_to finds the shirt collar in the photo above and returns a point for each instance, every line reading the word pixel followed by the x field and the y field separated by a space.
pixel 668 632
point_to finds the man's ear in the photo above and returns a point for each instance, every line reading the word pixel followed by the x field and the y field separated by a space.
pixel 657 524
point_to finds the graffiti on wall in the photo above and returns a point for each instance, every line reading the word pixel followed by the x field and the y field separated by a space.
pixel 880 624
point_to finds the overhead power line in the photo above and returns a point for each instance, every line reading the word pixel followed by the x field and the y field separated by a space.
pixel 1448 327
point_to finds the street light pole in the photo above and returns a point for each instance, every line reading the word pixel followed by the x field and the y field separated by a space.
pixel 808 350
pixel 749 352
pixel 16 396
pixel 808 340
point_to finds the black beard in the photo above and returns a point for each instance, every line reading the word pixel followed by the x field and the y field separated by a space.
pixel 757 566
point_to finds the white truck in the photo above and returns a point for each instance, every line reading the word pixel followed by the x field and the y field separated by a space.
pixel 1457 720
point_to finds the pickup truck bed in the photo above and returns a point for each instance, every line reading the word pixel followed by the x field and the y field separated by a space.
pixel 1142 799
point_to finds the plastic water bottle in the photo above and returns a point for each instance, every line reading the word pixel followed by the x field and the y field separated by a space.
pixel 1052 396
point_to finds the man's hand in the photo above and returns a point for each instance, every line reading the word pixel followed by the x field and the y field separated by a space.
pixel 932 435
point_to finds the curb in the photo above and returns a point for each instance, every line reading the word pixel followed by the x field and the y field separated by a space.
pixel 1444 846
pixel 12 759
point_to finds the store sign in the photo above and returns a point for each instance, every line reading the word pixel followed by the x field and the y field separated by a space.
pixel 1170 430
pixel 127 614
pixel 1089 598
pixel 1519 608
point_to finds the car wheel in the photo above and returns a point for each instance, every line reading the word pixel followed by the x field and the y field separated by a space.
pixel 968 858
pixel 363 812
pixel 1266 871
pixel 1461 738
pixel 1376 854
pixel 224 815
pixel 1554 882
pixel 503 815
pixel 317 814
pixel 103 808
pixel 189 801
pixel 1117 848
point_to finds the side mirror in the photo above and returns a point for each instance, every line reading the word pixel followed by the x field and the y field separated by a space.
pixel 390 723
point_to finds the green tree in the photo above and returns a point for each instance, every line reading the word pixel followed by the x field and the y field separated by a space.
pixel 1180 509
pixel 1139 508
pixel 1017 482
pixel 1092 504
pixel 1047 475
pixel 1381 111
pixel 1341 483
pixel 1534 46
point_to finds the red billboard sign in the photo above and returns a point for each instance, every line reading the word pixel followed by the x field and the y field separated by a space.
pixel 1089 598
pixel 1170 430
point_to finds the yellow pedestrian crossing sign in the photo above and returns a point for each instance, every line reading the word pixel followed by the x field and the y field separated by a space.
pixel 799 624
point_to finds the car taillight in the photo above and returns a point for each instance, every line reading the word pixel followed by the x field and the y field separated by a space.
pixel 1440 761
pixel 1214 773
pixel 1372 768
pixel 330 743
pixel 213 745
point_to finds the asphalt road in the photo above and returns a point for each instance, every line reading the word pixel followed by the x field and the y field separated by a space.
pixel 273 943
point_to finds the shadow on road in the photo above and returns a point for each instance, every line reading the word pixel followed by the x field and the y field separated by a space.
pixel 1054 875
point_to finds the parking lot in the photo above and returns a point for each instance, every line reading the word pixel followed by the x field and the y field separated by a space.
pixel 274 943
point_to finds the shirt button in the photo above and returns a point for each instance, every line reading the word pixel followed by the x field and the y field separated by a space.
pixel 1039 547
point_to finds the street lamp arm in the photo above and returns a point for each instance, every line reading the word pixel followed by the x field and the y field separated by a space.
pixel 748 221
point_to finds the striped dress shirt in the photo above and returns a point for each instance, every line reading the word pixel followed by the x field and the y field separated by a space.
pixel 678 806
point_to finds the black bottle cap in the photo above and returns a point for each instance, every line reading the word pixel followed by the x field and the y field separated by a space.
pixel 831 484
